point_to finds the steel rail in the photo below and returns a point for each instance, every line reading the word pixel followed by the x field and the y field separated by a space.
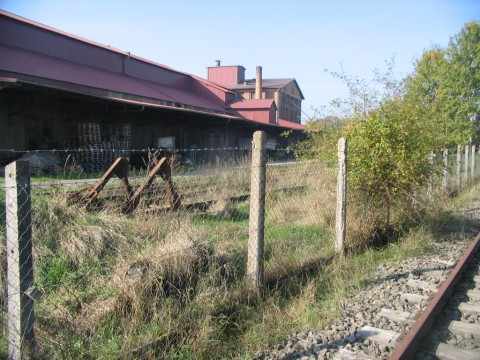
pixel 411 340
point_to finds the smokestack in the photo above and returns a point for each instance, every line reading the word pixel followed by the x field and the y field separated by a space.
pixel 217 62
pixel 258 83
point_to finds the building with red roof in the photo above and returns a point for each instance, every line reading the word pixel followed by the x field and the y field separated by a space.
pixel 52 82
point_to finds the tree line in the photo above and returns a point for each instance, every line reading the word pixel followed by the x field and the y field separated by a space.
pixel 393 125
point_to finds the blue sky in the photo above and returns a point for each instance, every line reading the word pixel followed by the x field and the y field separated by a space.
pixel 288 38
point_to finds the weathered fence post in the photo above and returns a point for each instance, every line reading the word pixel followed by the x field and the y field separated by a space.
pixel 255 264
pixel 430 177
pixel 341 217
pixel 459 165
pixel 472 166
pixel 445 169
pixel 465 176
pixel 20 315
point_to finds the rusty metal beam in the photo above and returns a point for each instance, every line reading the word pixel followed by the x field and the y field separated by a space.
pixel 411 340
pixel 163 169
pixel 118 168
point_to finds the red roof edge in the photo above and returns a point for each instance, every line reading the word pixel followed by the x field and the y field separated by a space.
pixel 290 124
pixel 90 42
pixel 252 104
pixel 60 32
pixel 211 83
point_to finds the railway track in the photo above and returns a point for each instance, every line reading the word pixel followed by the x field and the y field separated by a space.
pixel 449 328
pixel 440 319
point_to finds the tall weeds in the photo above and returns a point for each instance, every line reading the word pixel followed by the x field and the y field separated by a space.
pixel 170 284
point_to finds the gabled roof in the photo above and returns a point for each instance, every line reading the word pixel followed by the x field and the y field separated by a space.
pixel 266 84
pixel 26 60
pixel 211 83
pixel 68 75
pixel 252 104
pixel 30 51
pixel 84 40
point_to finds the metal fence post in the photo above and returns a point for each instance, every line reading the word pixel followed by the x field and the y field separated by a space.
pixel 255 264
pixel 341 216
pixel 445 169
pixel 20 316
pixel 459 165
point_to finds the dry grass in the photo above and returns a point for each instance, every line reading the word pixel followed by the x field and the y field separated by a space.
pixel 170 267
pixel 171 284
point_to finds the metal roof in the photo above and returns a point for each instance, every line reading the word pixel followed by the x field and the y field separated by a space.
pixel 285 124
pixel 252 104
pixel 21 62
pixel 40 68
pixel 266 84
pixel 290 124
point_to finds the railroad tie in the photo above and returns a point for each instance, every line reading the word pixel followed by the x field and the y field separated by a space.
pixel 380 336
pixel 448 352
pixel 473 295
pixel 425 285
pixel 413 298
pixel 397 316
pixel 467 308
pixel 461 327
pixel 344 354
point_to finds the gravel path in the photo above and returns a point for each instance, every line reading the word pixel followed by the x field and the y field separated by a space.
pixel 395 294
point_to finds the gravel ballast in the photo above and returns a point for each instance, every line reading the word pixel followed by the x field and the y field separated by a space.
pixel 391 301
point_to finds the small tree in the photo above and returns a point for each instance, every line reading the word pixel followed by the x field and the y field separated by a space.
pixel 392 126
pixel 389 143
pixel 388 156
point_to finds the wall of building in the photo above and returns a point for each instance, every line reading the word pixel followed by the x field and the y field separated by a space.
pixel 284 99
pixel 36 119
pixel 290 103
pixel 226 75
pixel 12 124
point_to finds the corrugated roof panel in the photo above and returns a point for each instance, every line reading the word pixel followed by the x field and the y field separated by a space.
pixel 252 104
pixel 19 61
pixel 24 35
pixel 291 125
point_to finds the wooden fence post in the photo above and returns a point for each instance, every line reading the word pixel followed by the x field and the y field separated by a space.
pixel 472 166
pixel 341 217
pixel 445 169
pixel 255 263
pixel 20 335
pixel 459 165
pixel 465 176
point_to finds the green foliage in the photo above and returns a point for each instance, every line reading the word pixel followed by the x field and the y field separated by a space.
pixel 446 82
pixel 388 142
pixel 388 152
pixel 392 126
pixel 463 54
pixel 321 134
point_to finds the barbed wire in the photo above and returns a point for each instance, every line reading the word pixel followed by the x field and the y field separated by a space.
pixel 285 204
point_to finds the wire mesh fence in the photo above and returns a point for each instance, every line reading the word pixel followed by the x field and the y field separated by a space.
pixel 108 269
pixel 300 216
pixel 116 277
